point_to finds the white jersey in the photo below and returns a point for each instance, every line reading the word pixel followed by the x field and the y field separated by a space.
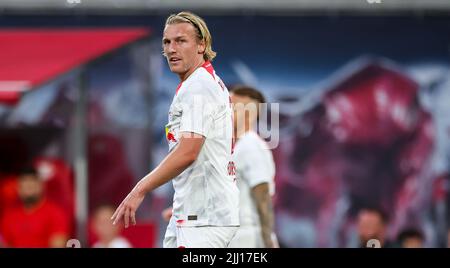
pixel 254 165
pixel 206 193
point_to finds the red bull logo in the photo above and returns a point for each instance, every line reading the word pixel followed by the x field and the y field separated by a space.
pixel 171 137
pixel 231 168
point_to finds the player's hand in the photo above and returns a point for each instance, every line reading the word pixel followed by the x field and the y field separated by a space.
pixel 127 208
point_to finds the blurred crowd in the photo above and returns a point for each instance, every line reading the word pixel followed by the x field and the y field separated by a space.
pixel 372 223
pixel 37 211
pixel 30 218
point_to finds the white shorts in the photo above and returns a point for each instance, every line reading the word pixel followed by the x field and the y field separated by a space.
pixel 198 237
pixel 247 237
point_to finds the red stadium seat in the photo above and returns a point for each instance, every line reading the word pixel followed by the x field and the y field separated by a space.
pixel 110 177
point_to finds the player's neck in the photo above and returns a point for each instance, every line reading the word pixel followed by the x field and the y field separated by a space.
pixel 185 75
pixel 244 131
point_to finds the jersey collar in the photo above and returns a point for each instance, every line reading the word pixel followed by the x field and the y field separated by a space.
pixel 208 67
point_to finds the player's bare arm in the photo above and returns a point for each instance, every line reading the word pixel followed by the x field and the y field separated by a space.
pixel 263 201
pixel 180 158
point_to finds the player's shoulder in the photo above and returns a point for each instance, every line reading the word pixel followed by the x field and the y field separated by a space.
pixel 202 81
pixel 252 141
pixel 50 206
pixel 205 76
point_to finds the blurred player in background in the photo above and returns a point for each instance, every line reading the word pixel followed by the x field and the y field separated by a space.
pixel 35 221
pixel 200 138
pixel 255 173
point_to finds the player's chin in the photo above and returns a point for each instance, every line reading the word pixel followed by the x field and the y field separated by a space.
pixel 175 68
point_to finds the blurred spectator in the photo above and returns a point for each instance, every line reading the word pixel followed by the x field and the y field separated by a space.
pixel 410 238
pixel 371 224
pixel 35 221
pixel 107 233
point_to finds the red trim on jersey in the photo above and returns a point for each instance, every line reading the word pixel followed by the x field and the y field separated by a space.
pixel 209 68
pixel 233 138
pixel 178 87
pixel 171 137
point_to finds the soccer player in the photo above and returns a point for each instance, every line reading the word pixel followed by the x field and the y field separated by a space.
pixel 255 173
pixel 200 138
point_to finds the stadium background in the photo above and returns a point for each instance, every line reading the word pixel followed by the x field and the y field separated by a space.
pixel 370 79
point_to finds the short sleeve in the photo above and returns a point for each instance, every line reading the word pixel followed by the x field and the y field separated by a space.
pixel 258 167
pixel 197 112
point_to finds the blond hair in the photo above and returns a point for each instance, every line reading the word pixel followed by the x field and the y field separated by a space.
pixel 200 27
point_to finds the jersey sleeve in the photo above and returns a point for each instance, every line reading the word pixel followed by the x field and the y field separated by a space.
pixel 258 167
pixel 197 111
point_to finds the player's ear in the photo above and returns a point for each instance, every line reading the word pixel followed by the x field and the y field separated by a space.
pixel 201 47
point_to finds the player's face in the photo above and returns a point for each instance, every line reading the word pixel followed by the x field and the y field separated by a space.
pixel 370 225
pixel 30 189
pixel 244 109
pixel 183 50
pixel 412 242
pixel 102 224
